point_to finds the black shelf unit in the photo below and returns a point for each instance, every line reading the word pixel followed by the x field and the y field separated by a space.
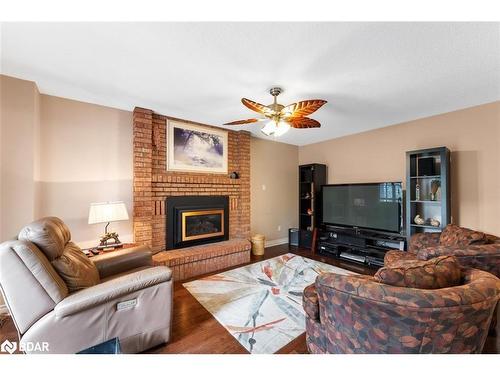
pixel 427 189
pixel 311 178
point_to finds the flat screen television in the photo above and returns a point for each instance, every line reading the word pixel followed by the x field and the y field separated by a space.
pixel 374 206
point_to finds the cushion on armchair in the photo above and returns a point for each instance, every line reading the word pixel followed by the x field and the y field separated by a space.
pixel 440 272
pixel 397 257
pixel 453 235
pixel 52 236
pixel 77 271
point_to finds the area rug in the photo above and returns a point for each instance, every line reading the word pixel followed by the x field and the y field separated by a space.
pixel 261 304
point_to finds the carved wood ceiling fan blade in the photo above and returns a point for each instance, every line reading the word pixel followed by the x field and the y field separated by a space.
pixel 303 108
pixel 241 122
pixel 303 122
pixel 257 107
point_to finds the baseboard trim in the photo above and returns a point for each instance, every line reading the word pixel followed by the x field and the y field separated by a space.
pixel 279 241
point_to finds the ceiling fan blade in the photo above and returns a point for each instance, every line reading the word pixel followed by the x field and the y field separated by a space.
pixel 303 122
pixel 303 108
pixel 241 122
pixel 257 107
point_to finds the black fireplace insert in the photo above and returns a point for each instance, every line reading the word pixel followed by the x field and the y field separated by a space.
pixel 196 220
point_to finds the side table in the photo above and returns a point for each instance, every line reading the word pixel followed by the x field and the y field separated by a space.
pixel 89 253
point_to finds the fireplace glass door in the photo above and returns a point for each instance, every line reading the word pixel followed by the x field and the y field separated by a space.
pixel 202 224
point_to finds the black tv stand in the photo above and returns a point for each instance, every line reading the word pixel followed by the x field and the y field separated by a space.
pixel 357 245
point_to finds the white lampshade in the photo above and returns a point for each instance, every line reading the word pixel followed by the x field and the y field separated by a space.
pixel 281 128
pixel 105 212
pixel 269 128
pixel 276 129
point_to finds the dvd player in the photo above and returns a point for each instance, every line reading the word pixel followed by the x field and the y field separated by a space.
pixel 351 256
pixel 374 261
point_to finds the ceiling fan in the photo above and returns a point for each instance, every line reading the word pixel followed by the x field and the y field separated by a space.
pixel 280 118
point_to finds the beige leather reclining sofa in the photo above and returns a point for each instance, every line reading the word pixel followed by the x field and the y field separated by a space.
pixel 57 295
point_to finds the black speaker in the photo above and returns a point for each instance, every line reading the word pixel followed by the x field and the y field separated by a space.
pixel 293 236
pixel 426 166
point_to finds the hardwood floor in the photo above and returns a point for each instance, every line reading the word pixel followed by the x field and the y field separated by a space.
pixel 195 330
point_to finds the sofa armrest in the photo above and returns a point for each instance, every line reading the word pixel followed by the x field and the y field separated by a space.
pixel 459 252
pixel 112 289
pixel 310 302
pixel 123 260
pixel 422 240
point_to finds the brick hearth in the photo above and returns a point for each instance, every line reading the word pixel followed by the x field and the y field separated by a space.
pixel 198 260
pixel 153 183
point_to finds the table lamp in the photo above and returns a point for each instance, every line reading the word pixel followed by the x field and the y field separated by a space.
pixel 107 212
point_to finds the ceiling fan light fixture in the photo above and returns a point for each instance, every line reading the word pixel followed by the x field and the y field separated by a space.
pixel 280 118
pixel 281 128
pixel 270 128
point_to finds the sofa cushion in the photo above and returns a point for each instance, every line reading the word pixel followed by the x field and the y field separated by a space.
pixel 440 272
pixel 453 235
pixel 77 271
pixel 49 234
pixel 310 302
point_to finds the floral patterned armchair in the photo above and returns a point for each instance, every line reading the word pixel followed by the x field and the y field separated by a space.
pixel 472 248
pixel 358 314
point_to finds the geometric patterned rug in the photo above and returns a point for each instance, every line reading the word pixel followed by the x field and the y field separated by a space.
pixel 261 304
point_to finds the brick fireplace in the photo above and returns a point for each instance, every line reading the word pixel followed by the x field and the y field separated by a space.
pixel 153 184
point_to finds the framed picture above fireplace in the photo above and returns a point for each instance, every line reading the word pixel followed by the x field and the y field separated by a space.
pixel 195 148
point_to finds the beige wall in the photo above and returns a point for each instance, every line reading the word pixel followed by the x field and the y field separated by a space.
pixel 19 126
pixel 85 156
pixel 58 156
pixel 472 135
pixel 19 107
pixel 273 188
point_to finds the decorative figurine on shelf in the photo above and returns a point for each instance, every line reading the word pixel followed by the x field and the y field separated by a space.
pixel 419 220
pixel 309 211
pixel 435 222
pixel 435 185
pixel 417 191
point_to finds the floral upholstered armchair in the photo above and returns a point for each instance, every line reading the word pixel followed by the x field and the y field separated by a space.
pixel 375 314
pixel 472 248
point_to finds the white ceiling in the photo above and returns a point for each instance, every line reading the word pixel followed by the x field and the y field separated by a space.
pixel 372 74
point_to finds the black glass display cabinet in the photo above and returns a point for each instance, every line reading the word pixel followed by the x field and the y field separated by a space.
pixel 427 190
pixel 311 178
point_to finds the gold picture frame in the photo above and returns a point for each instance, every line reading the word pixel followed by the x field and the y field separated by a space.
pixel 196 148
